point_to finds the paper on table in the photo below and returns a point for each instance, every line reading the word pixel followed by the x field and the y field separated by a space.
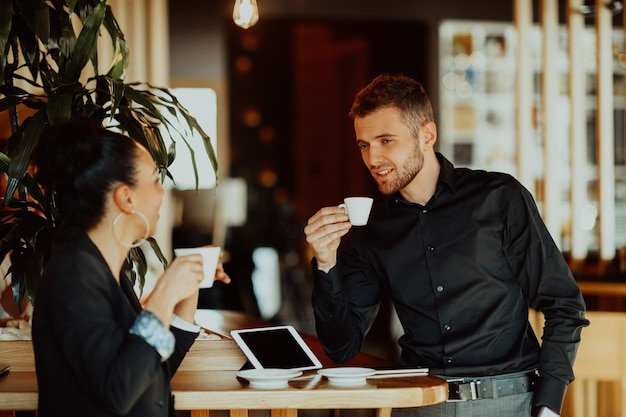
pixel 208 320
pixel 389 373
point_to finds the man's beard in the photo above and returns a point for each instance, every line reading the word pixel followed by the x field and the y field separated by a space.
pixel 404 174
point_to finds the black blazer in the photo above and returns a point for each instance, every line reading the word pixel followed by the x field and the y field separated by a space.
pixel 86 361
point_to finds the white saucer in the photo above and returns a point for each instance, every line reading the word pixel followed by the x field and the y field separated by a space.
pixel 268 378
pixel 347 376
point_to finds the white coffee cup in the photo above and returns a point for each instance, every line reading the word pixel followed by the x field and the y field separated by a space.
pixel 210 258
pixel 358 209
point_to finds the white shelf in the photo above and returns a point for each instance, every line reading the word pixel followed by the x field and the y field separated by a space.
pixel 477 104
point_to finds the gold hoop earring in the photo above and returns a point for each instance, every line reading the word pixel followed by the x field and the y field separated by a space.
pixel 137 242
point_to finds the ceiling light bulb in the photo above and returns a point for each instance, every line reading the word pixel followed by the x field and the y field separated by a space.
pixel 245 13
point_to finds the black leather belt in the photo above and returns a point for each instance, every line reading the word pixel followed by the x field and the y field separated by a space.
pixel 468 389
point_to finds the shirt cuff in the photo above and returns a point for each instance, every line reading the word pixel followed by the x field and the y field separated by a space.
pixel 327 282
pixel 149 328
pixel 183 324
pixel 549 392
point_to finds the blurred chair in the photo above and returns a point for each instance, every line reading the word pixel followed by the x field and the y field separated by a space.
pixel 600 368
pixel 599 389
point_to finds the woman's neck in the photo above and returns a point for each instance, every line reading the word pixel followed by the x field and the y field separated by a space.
pixel 112 251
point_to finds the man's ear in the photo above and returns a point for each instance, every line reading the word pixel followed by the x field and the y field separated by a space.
pixel 122 196
pixel 429 133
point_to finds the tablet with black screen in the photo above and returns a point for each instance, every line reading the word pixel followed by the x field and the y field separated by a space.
pixel 275 347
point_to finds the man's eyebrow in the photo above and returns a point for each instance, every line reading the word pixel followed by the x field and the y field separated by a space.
pixel 385 135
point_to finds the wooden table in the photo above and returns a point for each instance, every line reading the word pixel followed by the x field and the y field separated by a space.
pixel 206 380
pixel 221 390
pixel 201 391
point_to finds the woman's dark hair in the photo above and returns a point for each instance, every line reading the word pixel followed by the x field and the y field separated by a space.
pixel 80 162
pixel 400 92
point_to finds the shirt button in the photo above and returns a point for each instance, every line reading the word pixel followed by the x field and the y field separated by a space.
pixel 447 327
pixel 425 211
pixel 439 288
pixel 430 248
pixel 448 359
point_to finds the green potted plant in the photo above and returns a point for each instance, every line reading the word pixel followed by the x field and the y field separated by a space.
pixel 44 48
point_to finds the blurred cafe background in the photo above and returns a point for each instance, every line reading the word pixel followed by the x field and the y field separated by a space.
pixel 532 88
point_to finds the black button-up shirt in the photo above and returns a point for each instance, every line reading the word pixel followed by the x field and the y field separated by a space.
pixel 461 272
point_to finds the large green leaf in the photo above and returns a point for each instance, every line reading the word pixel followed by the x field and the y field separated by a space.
pixel 71 4
pixel 8 102
pixel 194 125
pixel 18 277
pixel 110 91
pixel 6 16
pixel 4 162
pixel 11 90
pixel 28 43
pixel 169 102
pixel 37 18
pixel 27 227
pixel 139 127
pixel 137 258
pixel 43 39
pixel 30 131
pixel 58 20
pixel 86 43
pixel 157 251
pixel 120 60
pixel 65 37
pixel 26 267
pixel 145 99
pixel 59 108
pixel 31 186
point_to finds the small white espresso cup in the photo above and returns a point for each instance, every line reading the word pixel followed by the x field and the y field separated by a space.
pixel 358 209
pixel 210 258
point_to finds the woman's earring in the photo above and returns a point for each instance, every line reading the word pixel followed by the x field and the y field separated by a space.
pixel 137 242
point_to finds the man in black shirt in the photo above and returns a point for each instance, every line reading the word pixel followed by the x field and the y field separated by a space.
pixel 462 253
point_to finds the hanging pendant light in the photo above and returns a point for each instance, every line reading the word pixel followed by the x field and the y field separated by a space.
pixel 245 13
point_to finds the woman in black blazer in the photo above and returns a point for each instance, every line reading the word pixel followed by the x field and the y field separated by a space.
pixel 98 351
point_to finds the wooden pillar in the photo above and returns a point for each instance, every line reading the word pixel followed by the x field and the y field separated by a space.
pixel 138 41
pixel 145 27
pixel 524 90
pixel 158 37
pixel 551 153
pixel 578 128
pixel 604 129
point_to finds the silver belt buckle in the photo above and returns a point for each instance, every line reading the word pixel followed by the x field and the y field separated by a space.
pixel 454 400
pixel 474 386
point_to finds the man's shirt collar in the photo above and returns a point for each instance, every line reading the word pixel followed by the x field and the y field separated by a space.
pixel 447 178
